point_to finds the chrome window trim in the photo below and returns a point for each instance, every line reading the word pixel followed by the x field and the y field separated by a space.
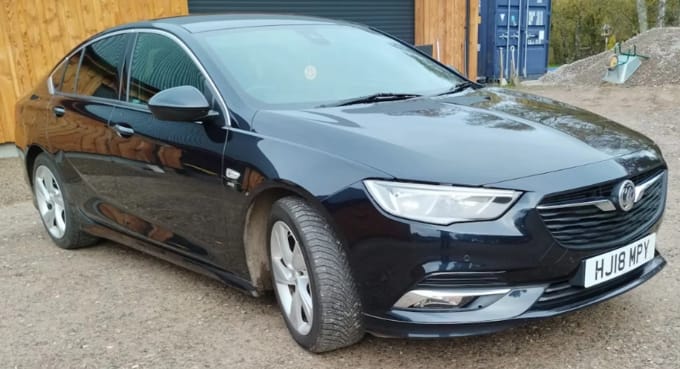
pixel 50 84
pixel 177 40
pixel 606 204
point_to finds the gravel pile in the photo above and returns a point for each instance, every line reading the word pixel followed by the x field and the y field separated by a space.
pixel 662 45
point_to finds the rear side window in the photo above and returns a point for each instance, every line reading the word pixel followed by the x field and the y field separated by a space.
pixel 58 75
pixel 68 84
pixel 159 63
pixel 99 74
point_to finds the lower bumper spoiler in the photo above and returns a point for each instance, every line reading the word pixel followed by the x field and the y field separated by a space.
pixel 424 329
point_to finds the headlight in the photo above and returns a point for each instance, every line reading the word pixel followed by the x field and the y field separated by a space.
pixel 440 204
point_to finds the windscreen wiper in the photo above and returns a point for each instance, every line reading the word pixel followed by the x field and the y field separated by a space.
pixel 379 97
pixel 457 88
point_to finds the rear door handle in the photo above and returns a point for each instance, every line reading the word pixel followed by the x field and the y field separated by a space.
pixel 59 111
pixel 123 129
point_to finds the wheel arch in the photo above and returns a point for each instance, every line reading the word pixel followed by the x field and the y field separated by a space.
pixel 255 229
pixel 31 154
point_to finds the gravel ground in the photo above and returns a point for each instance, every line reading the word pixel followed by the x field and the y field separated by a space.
pixel 13 187
pixel 111 307
pixel 662 45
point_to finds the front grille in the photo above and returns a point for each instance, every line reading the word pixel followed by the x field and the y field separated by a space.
pixel 587 226
pixel 460 279
pixel 596 192
pixel 562 293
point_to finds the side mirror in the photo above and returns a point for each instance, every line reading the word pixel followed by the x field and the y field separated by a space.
pixel 183 103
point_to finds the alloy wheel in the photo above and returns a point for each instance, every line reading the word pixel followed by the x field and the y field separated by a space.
pixel 50 201
pixel 291 278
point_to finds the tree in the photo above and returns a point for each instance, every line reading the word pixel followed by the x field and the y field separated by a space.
pixel 642 15
pixel 661 13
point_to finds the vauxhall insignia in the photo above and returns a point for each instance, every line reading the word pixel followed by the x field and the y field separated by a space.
pixel 286 229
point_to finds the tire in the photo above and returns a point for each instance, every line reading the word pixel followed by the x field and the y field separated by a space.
pixel 325 279
pixel 61 220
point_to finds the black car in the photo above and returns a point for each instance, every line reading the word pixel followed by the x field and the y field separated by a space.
pixel 372 188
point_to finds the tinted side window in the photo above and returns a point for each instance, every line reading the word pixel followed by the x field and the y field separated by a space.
pixel 58 75
pixel 99 70
pixel 68 85
pixel 159 63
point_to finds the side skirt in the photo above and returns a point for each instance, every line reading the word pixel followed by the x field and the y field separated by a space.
pixel 162 253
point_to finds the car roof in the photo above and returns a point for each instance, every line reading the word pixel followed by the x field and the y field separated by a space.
pixel 212 22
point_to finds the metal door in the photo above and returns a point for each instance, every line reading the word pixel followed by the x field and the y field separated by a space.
pixel 395 17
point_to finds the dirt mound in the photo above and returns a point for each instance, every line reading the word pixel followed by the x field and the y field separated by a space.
pixel 662 45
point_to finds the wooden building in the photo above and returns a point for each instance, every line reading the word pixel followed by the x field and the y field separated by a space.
pixel 37 33
pixel 451 26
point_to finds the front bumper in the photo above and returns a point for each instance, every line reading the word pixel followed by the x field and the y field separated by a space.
pixel 419 324
pixel 390 257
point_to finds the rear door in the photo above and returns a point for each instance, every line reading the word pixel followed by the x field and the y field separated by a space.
pixel 169 172
pixel 80 108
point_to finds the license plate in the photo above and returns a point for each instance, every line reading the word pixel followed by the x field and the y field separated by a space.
pixel 610 265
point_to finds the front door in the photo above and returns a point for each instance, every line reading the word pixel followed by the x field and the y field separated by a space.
pixel 169 172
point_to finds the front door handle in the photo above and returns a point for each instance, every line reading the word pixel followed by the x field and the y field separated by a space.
pixel 123 129
pixel 59 111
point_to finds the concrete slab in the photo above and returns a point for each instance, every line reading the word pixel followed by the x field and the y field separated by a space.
pixel 8 151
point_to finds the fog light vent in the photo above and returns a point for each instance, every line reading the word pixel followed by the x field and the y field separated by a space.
pixel 445 299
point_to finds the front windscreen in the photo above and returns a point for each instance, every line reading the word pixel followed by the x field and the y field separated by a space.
pixel 312 65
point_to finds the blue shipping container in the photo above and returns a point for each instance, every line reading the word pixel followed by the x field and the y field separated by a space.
pixel 522 26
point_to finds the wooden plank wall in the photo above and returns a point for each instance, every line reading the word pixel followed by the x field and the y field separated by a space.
pixel 444 21
pixel 36 34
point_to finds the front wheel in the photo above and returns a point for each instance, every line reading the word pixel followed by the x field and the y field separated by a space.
pixel 312 279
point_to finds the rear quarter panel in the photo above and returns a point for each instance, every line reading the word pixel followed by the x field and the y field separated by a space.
pixel 31 118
